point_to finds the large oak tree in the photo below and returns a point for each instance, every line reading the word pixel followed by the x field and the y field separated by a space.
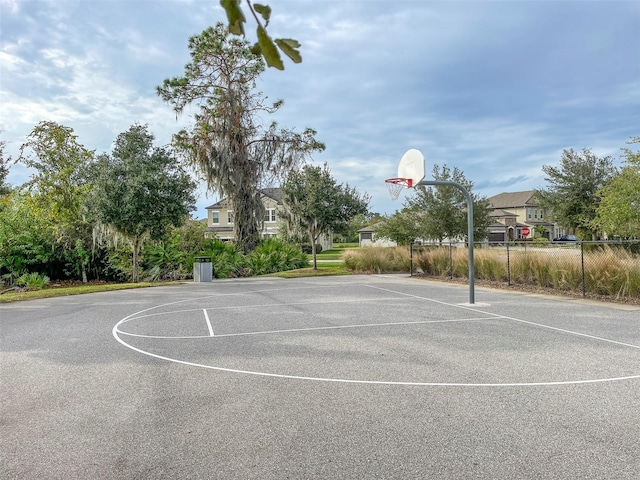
pixel 235 154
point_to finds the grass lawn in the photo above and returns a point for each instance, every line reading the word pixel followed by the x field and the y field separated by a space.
pixel 324 269
pixel 50 292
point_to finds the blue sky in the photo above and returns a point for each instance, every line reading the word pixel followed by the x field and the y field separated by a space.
pixel 497 89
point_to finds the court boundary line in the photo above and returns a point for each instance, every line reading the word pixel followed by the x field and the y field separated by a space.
pixel 115 332
pixel 495 315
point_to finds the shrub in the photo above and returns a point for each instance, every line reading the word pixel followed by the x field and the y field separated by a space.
pixel 611 270
pixel 32 281
pixel 377 259
pixel 166 260
pixel 273 255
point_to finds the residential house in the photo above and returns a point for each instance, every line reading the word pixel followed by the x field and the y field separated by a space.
pixel 220 218
pixel 515 211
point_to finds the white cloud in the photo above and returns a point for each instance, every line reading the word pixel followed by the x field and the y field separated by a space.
pixel 495 88
pixel 10 6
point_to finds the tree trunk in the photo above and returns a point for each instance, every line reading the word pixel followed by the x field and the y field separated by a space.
pixel 314 237
pixel 136 247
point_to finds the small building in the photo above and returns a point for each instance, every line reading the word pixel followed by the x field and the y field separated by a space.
pixel 367 237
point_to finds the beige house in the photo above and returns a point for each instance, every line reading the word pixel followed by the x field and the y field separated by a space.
pixel 515 211
pixel 220 219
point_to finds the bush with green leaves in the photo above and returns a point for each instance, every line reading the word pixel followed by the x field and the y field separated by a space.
pixel 273 255
pixel 227 261
pixel 32 281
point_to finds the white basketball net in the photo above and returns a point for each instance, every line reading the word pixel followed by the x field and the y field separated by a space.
pixel 395 186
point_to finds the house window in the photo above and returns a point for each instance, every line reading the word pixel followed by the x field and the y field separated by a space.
pixel 535 213
pixel 541 214
pixel 366 236
pixel 270 215
pixel 215 217
pixel 529 213
pixel 230 217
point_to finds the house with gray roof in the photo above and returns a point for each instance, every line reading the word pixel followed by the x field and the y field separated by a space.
pixel 220 216
pixel 220 219
pixel 514 212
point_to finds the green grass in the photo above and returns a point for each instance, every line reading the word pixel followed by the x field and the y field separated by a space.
pixel 332 254
pixel 343 246
pixel 76 290
pixel 324 269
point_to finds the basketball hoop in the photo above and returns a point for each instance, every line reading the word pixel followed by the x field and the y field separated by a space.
pixel 395 186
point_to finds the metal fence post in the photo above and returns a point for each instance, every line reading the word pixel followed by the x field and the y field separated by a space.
pixel 450 260
pixel 584 284
pixel 411 259
pixel 508 266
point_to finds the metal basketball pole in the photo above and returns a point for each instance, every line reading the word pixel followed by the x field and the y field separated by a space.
pixel 467 195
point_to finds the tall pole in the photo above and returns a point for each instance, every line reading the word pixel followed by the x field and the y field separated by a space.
pixel 467 195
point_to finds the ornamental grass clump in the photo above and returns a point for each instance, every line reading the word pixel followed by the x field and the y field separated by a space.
pixel 613 272
pixel 534 268
pixel 490 265
pixel 434 261
pixel 377 259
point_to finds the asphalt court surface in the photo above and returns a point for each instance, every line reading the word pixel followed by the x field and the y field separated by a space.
pixel 389 330
pixel 355 377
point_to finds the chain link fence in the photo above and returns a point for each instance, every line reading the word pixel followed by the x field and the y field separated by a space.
pixel 610 269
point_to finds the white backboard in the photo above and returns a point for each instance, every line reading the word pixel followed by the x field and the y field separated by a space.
pixel 411 166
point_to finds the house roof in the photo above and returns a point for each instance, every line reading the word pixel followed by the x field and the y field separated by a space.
pixel 499 213
pixel 369 228
pixel 513 199
pixel 274 193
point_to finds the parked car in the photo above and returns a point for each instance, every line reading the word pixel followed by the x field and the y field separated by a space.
pixel 565 239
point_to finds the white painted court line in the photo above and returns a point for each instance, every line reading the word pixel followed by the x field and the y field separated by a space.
pixel 495 315
pixel 134 316
pixel 206 317
pixel 372 382
pixel 310 329
pixel 116 330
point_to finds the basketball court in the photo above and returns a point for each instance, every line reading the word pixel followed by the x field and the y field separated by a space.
pixel 386 330
pixel 363 376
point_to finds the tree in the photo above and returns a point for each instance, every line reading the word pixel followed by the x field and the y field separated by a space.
pixel 316 203
pixel 443 209
pixel 5 188
pixel 141 191
pixel 401 227
pixel 234 154
pixel 60 188
pixel 572 196
pixel 265 45
pixel 618 212
pixel 26 244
